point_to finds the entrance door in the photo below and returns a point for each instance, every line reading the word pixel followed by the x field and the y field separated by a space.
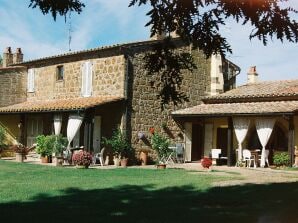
pixel 34 128
pixel 222 140
pixel 197 142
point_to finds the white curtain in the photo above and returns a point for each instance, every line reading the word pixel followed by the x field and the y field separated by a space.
pixel 264 130
pixel 241 126
pixel 57 123
pixel 73 125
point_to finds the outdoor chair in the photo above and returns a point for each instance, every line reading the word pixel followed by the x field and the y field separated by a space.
pixel 99 156
pixel 216 156
pixel 248 158
pixel 179 153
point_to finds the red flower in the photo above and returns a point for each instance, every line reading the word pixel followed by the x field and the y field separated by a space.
pixel 82 158
pixel 206 162
pixel 151 130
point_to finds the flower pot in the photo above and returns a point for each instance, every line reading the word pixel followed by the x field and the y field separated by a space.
pixel 116 161
pixel 144 158
pixel 58 161
pixel 44 159
pixel 20 157
pixel 82 166
pixel 124 162
pixel 161 166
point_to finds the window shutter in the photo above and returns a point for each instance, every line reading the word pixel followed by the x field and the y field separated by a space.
pixel 30 80
pixel 87 79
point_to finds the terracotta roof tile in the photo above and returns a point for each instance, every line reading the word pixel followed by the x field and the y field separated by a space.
pixel 239 108
pixel 59 104
pixel 260 90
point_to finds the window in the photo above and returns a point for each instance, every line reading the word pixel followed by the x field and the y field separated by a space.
pixel 30 80
pixel 87 70
pixel 60 72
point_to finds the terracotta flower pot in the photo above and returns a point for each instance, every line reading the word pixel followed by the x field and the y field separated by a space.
pixel 144 158
pixel 161 166
pixel 20 157
pixel 124 162
pixel 44 159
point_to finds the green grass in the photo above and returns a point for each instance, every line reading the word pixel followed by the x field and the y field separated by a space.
pixel 33 193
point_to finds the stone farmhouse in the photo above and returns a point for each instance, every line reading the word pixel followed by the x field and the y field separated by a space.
pixel 85 95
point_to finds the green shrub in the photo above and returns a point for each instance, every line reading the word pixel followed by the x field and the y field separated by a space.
pixel 161 145
pixel 2 136
pixel 281 159
pixel 46 145
pixel 119 144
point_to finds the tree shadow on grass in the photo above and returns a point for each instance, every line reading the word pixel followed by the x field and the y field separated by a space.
pixel 247 203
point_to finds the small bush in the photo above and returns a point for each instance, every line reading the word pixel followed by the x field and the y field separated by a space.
pixel 82 158
pixel 281 159
pixel 206 162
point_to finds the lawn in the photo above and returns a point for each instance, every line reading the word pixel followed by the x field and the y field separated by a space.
pixel 33 193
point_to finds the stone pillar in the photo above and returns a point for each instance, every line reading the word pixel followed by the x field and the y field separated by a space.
pixel 18 56
pixel 7 57
pixel 291 139
pixel 230 141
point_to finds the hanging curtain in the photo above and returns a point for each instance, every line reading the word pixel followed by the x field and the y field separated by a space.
pixel 264 130
pixel 57 123
pixel 73 126
pixel 241 126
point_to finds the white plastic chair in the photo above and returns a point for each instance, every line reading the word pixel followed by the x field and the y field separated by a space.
pixel 100 157
pixel 248 158
pixel 179 153
pixel 215 153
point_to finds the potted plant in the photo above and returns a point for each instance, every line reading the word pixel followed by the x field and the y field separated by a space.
pixel 20 151
pixel 57 143
pixel 120 146
pixel 161 145
pixel 82 159
pixel 44 147
pixel 206 162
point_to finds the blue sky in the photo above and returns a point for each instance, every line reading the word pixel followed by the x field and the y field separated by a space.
pixel 105 22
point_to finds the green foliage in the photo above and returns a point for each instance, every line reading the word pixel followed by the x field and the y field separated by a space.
pixel 46 145
pixel 281 159
pixel 61 7
pixel 2 136
pixel 58 143
pixel 160 144
pixel 119 144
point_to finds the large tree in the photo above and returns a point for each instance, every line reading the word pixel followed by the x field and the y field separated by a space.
pixel 198 22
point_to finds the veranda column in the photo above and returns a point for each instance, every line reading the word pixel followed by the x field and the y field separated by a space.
pixel 291 139
pixel 230 140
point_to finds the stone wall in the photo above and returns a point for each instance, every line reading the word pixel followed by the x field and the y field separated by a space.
pixel 12 86
pixel 108 79
pixel 145 109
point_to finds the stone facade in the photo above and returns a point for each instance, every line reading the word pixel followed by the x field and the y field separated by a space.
pixel 12 86
pixel 108 79
pixel 146 109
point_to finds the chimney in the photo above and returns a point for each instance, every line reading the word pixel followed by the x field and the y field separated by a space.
pixel 18 56
pixel 7 57
pixel 158 36
pixel 252 75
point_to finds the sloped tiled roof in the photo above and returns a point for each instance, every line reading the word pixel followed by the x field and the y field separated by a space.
pixel 250 108
pixel 265 89
pixel 59 104
pixel 269 97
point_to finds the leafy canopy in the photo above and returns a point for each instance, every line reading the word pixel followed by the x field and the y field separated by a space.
pixel 198 23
